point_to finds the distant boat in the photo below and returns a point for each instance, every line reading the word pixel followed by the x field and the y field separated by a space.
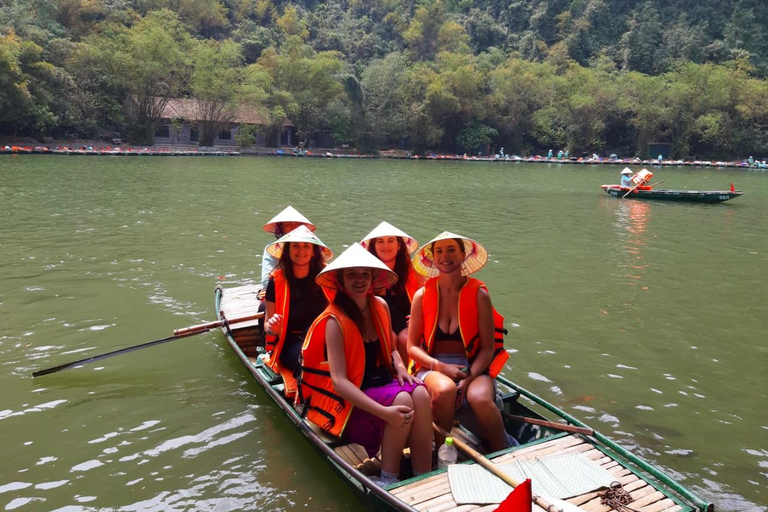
pixel 685 196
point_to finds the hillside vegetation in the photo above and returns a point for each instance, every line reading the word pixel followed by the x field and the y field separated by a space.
pixel 433 75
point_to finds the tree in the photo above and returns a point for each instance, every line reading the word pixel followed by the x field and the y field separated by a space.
pixel 423 33
pixel 215 83
pixel 476 136
pixel 311 79
pixel 27 83
pixel 246 135
pixel 641 45
pixel 148 63
pixel 517 89
pixel 385 100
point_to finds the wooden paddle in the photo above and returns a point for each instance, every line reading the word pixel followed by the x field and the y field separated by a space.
pixel 633 188
pixel 184 332
pixel 560 506
pixel 551 424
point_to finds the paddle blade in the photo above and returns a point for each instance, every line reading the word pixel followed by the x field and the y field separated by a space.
pixel 519 500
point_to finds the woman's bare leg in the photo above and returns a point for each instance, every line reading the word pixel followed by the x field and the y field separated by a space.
pixel 395 438
pixel 481 397
pixel 420 438
pixel 442 393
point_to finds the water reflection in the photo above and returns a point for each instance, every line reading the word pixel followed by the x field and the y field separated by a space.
pixel 632 222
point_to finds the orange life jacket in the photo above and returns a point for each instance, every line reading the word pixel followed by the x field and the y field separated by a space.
pixel 322 405
pixel 274 343
pixel 412 284
pixel 468 323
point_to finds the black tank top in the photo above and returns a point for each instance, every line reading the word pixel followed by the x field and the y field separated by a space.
pixel 441 335
pixel 374 375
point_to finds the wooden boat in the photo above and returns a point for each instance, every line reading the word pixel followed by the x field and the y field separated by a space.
pixel 689 196
pixel 651 490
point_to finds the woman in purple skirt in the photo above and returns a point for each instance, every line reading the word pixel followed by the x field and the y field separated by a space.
pixel 354 382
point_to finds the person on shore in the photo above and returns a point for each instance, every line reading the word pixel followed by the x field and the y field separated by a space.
pixel 394 247
pixel 452 338
pixel 293 300
pixel 626 178
pixel 281 224
pixel 549 154
pixel 354 383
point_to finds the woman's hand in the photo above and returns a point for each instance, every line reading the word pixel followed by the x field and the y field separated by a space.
pixel 402 375
pixel 454 371
pixel 399 416
pixel 274 324
pixel 461 391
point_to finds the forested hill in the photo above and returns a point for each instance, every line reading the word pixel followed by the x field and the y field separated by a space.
pixel 450 75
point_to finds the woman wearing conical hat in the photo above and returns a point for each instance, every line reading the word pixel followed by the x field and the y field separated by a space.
pixel 353 382
pixel 452 338
pixel 281 224
pixel 626 178
pixel 293 300
pixel 394 247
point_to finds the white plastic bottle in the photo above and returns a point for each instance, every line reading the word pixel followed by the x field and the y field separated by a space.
pixel 447 454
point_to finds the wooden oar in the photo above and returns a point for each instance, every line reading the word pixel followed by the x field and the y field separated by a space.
pixel 630 191
pixel 178 334
pixel 561 506
pixel 633 188
pixel 551 424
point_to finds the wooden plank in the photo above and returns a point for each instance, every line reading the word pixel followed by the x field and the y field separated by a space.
pixel 436 502
pixel 539 449
pixel 414 485
pixel 661 505
pixel 347 454
pixel 420 495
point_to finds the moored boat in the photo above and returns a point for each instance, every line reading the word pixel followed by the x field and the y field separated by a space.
pixel 686 196
pixel 650 489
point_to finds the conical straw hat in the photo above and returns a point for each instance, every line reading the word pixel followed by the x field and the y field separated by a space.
pixel 626 170
pixel 300 234
pixel 475 256
pixel 387 229
pixel 290 214
pixel 356 257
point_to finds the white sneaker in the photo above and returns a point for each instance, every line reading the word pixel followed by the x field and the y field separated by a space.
pixel 382 482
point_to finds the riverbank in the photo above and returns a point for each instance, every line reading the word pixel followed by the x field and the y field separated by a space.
pixel 106 150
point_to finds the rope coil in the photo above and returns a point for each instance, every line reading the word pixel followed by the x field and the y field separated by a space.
pixel 617 498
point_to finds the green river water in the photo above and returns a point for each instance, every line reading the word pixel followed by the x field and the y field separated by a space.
pixel 646 320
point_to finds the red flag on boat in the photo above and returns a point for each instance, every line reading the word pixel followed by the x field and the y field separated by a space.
pixel 733 189
pixel 519 500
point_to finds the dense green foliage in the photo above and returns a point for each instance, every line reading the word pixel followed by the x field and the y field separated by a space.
pixel 439 75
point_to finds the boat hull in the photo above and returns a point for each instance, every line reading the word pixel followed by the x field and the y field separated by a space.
pixel 652 494
pixel 681 196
